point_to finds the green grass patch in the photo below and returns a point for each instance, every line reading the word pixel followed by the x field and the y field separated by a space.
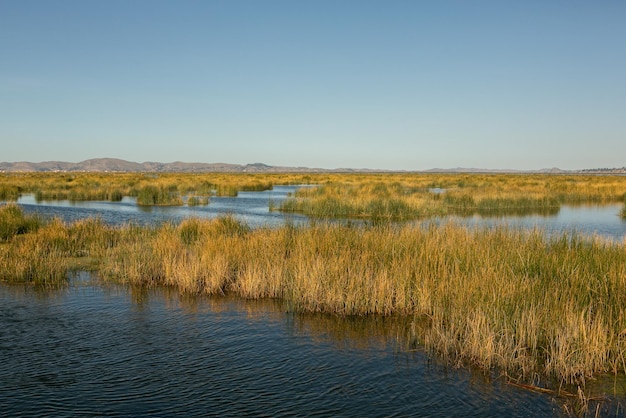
pixel 158 196
pixel 14 222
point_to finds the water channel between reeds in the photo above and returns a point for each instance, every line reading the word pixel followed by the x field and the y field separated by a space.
pixel 92 349
pixel 253 208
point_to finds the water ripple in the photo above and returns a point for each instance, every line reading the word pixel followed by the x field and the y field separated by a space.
pixel 90 351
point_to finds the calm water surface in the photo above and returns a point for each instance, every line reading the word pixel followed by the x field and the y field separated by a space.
pixel 93 350
pixel 591 220
pixel 250 207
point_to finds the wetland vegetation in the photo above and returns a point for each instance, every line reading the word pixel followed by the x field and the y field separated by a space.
pixel 403 197
pixel 518 302
pixel 378 197
pixel 148 188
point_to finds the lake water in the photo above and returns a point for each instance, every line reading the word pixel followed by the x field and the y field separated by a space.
pixel 92 349
pixel 250 207
pixel 590 220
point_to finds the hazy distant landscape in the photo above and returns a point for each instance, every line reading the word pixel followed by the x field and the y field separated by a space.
pixel 119 165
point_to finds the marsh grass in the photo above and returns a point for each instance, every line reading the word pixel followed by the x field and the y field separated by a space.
pixel 463 202
pixel 499 299
pixel 13 222
pixel 162 188
pixel 197 200
pixel 375 201
pixel 401 197
pixel 9 193
pixel 159 196
pixel 114 195
pixel 379 198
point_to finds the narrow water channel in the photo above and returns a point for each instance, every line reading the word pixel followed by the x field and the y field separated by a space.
pixel 250 207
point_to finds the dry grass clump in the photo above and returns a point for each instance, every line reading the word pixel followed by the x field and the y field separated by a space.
pixel 159 196
pixel 45 252
pixel 9 192
pixel 464 202
pixel 194 256
pixel 38 257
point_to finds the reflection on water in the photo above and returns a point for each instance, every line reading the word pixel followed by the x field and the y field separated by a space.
pixel 592 220
pixel 507 212
pixel 106 351
pixel 110 350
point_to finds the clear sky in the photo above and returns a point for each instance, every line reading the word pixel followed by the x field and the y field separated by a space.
pixel 362 84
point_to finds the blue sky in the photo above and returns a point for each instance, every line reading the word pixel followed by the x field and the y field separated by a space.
pixel 379 84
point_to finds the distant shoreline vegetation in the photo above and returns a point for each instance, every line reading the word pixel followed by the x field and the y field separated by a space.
pixel 377 197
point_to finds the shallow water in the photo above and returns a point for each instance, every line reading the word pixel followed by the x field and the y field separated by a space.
pixel 250 207
pixel 591 220
pixel 92 350
pixel 253 208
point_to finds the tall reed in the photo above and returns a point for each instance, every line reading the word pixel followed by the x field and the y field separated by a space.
pixel 158 196
pixel 499 298
pixel 13 222
pixel 9 192
pixel 398 196
pixel 113 186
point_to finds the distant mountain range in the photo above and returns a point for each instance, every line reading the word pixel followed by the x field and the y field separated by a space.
pixel 117 165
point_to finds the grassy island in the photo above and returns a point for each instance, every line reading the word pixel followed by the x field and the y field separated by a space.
pixel 379 197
